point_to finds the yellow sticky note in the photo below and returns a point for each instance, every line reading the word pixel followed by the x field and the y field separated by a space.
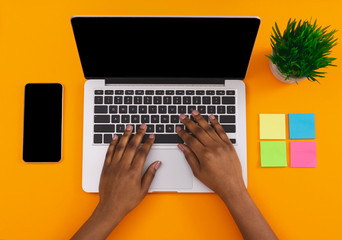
pixel 272 126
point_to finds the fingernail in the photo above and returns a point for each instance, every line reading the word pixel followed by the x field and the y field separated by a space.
pixel 180 147
pixel 143 126
pixel 195 112
pixel 151 136
pixel 114 137
pixel 157 166
pixel 182 116
pixel 212 116
pixel 178 128
pixel 129 127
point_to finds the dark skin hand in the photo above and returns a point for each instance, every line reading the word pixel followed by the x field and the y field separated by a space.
pixel 212 158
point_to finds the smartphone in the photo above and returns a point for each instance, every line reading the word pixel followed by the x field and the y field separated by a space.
pixel 43 107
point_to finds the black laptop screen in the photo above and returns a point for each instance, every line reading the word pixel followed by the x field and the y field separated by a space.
pixel 172 47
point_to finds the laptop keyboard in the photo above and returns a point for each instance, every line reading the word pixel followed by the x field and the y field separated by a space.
pixel 159 110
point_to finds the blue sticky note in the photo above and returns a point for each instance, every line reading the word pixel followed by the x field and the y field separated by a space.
pixel 302 125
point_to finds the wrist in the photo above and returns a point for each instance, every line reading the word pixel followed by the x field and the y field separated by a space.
pixel 233 192
pixel 107 218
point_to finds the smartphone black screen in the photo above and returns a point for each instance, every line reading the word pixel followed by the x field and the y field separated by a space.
pixel 43 122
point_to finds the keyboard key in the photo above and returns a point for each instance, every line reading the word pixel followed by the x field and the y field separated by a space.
pixel 196 100
pixel 100 109
pixel 115 118
pixel 101 119
pixel 200 92
pixel 127 100
pixel 129 92
pixel 216 116
pixel 113 109
pixel 98 92
pixel 210 92
pixel 139 92
pixel 206 100
pixel 98 100
pixel 159 92
pixel 120 128
pixel 149 92
pixel 137 100
pixel 167 100
pixel 152 109
pixel 125 118
pixel 172 109
pixel 122 109
pixel 174 119
pixel 170 92
pixel 216 100
pixel 108 100
pixel 219 92
pixel 118 99
pixel 164 118
pixel 228 100
pixel 179 92
pixel 97 138
pixel 157 100
pixel 109 92
pixel 170 128
pixel 159 128
pixel 150 128
pixel 190 92
pixel 147 99
pixel 142 109
pixel 161 109
pixel 103 128
pixel 229 128
pixel 180 125
pixel 135 118
pixel 201 109
pixel 154 118
pixel 167 138
pixel 145 118
pixel 107 138
pixel 227 119
pixel 221 109
pixel 211 109
pixel 206 117
pixel 186 100
pixel 191 108
pixel 133 109
pixel 177 100
pixel 230 109
pixel 233 140
pixel 230 92
pixel 119 92
pixel 181 109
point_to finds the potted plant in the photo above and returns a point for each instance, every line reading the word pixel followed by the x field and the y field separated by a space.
pixel 300 51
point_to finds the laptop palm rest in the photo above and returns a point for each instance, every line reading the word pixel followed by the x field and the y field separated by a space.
pixel 173 173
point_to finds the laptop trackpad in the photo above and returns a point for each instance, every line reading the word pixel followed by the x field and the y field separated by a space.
pixel 174 171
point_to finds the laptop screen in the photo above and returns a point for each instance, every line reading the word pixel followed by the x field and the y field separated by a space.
pixel 170 47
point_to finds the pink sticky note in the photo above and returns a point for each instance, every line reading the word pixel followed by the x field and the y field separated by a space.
pixel 303 154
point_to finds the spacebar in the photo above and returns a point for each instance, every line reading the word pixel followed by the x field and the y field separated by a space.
pixel 167 138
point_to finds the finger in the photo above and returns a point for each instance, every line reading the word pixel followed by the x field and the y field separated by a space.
pixel 148 176
pixel 142 153
pixel 218 128
pixel 121 146
pixel 191 158
pixel 110 150
pixel 196 130
pixel 192 142
pixel 205 125
pixel 133 145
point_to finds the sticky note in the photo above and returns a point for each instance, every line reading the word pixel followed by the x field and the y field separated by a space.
pixel 273 153
pixel 302 125
pixel 272 126
pixel 303 154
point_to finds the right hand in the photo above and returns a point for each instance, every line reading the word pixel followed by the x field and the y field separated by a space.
pixel 211 155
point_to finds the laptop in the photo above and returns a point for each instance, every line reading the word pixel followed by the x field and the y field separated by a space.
pixel 150 69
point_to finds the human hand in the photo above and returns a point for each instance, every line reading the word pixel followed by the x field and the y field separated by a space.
pixel 122 187
pixel 211 155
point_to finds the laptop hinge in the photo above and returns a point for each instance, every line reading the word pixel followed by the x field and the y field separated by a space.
pixel 164 81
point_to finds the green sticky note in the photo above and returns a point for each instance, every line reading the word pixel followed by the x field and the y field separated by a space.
pixel 272 126
pixel 273 153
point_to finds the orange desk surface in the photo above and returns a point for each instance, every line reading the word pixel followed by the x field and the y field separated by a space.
pixel 46 201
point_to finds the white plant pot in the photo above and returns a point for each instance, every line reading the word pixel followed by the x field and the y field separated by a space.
pixel 282 77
